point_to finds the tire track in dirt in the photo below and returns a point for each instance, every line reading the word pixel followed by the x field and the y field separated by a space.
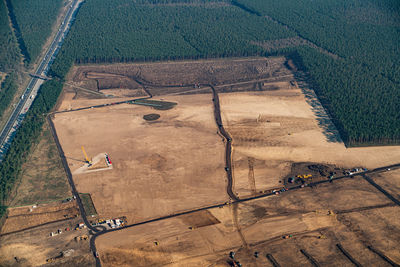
pixel 95 232
pixel 251 179
pixel 235 219
pixel 36 226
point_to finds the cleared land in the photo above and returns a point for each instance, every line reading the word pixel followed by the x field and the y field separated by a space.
pixel 33 247
pixel 260 225
pixel 273 129
pixel 176 163
pixel 26 217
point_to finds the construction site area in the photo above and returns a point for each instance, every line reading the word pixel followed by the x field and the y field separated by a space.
pixel 228 162
pixel 45 234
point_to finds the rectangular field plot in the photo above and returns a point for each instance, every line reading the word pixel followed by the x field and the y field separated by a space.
pixel 173 163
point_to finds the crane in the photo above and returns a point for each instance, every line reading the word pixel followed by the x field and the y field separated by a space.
pixel 87 160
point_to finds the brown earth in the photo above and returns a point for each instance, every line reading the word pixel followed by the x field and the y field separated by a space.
pixel 33 247
pixel 219 71
pixel 177 163
pixel 152 161
pixel 278 128
pixel 30 216
pixel 390 181
pixel 262 224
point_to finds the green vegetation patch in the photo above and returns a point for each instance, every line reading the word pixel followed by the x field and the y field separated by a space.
pixel 156 104
pixel 360 87
pixel 9 54
pixel 26 136
pixel 353 63
pixel 43 177
pixel 8 89
pixel 88 204
pixel 33 20
pixel 106 31
pixel 151 117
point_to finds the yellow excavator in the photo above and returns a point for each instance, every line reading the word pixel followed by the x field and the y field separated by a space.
pixel 87 160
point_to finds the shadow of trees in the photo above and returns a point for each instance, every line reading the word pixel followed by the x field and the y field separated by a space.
pixel 324 120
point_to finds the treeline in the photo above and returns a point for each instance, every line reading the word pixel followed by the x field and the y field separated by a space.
pixel 359 86
pixel 9 54
pixel 106 31
pixel 365 31
pixel 33 20
pixel 361 90
pixel 8 89
pixel 25 137
pixel 362 114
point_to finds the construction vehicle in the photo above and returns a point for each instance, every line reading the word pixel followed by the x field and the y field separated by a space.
pixel 87 160
pixel 50 260
pixel 82 237
pixel 234 263
pixel 304 176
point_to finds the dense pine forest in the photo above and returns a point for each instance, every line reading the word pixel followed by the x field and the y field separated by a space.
pixel 360 89
pixel 359 83
pixel 188 29
pixel 9 54
pixel 350 52
pixel 8 89
pixel 33 21
pixel 26 136
pixel 365 31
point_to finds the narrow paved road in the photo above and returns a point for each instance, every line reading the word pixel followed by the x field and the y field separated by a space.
pixel 26 100
pixel 228 147
pixel 101 230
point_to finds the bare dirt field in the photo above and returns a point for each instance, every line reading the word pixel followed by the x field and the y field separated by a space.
pixel 160 167
pixel 273 129
pixel 30 216
pixel 362 216
pixel 33 247
pixel 176 163
pixel 389 180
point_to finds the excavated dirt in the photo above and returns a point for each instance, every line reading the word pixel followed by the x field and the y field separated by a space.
pixel 26 217
pixel 177 163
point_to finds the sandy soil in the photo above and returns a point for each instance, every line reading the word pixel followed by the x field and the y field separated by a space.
pixel 98 163
pixel 390 181
pixel 68 102
pixel 276 128
pixel 33 247
pixel 174 163
pixel 24 217
pixel 259 225
pixel 273 125
pixel 217 71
